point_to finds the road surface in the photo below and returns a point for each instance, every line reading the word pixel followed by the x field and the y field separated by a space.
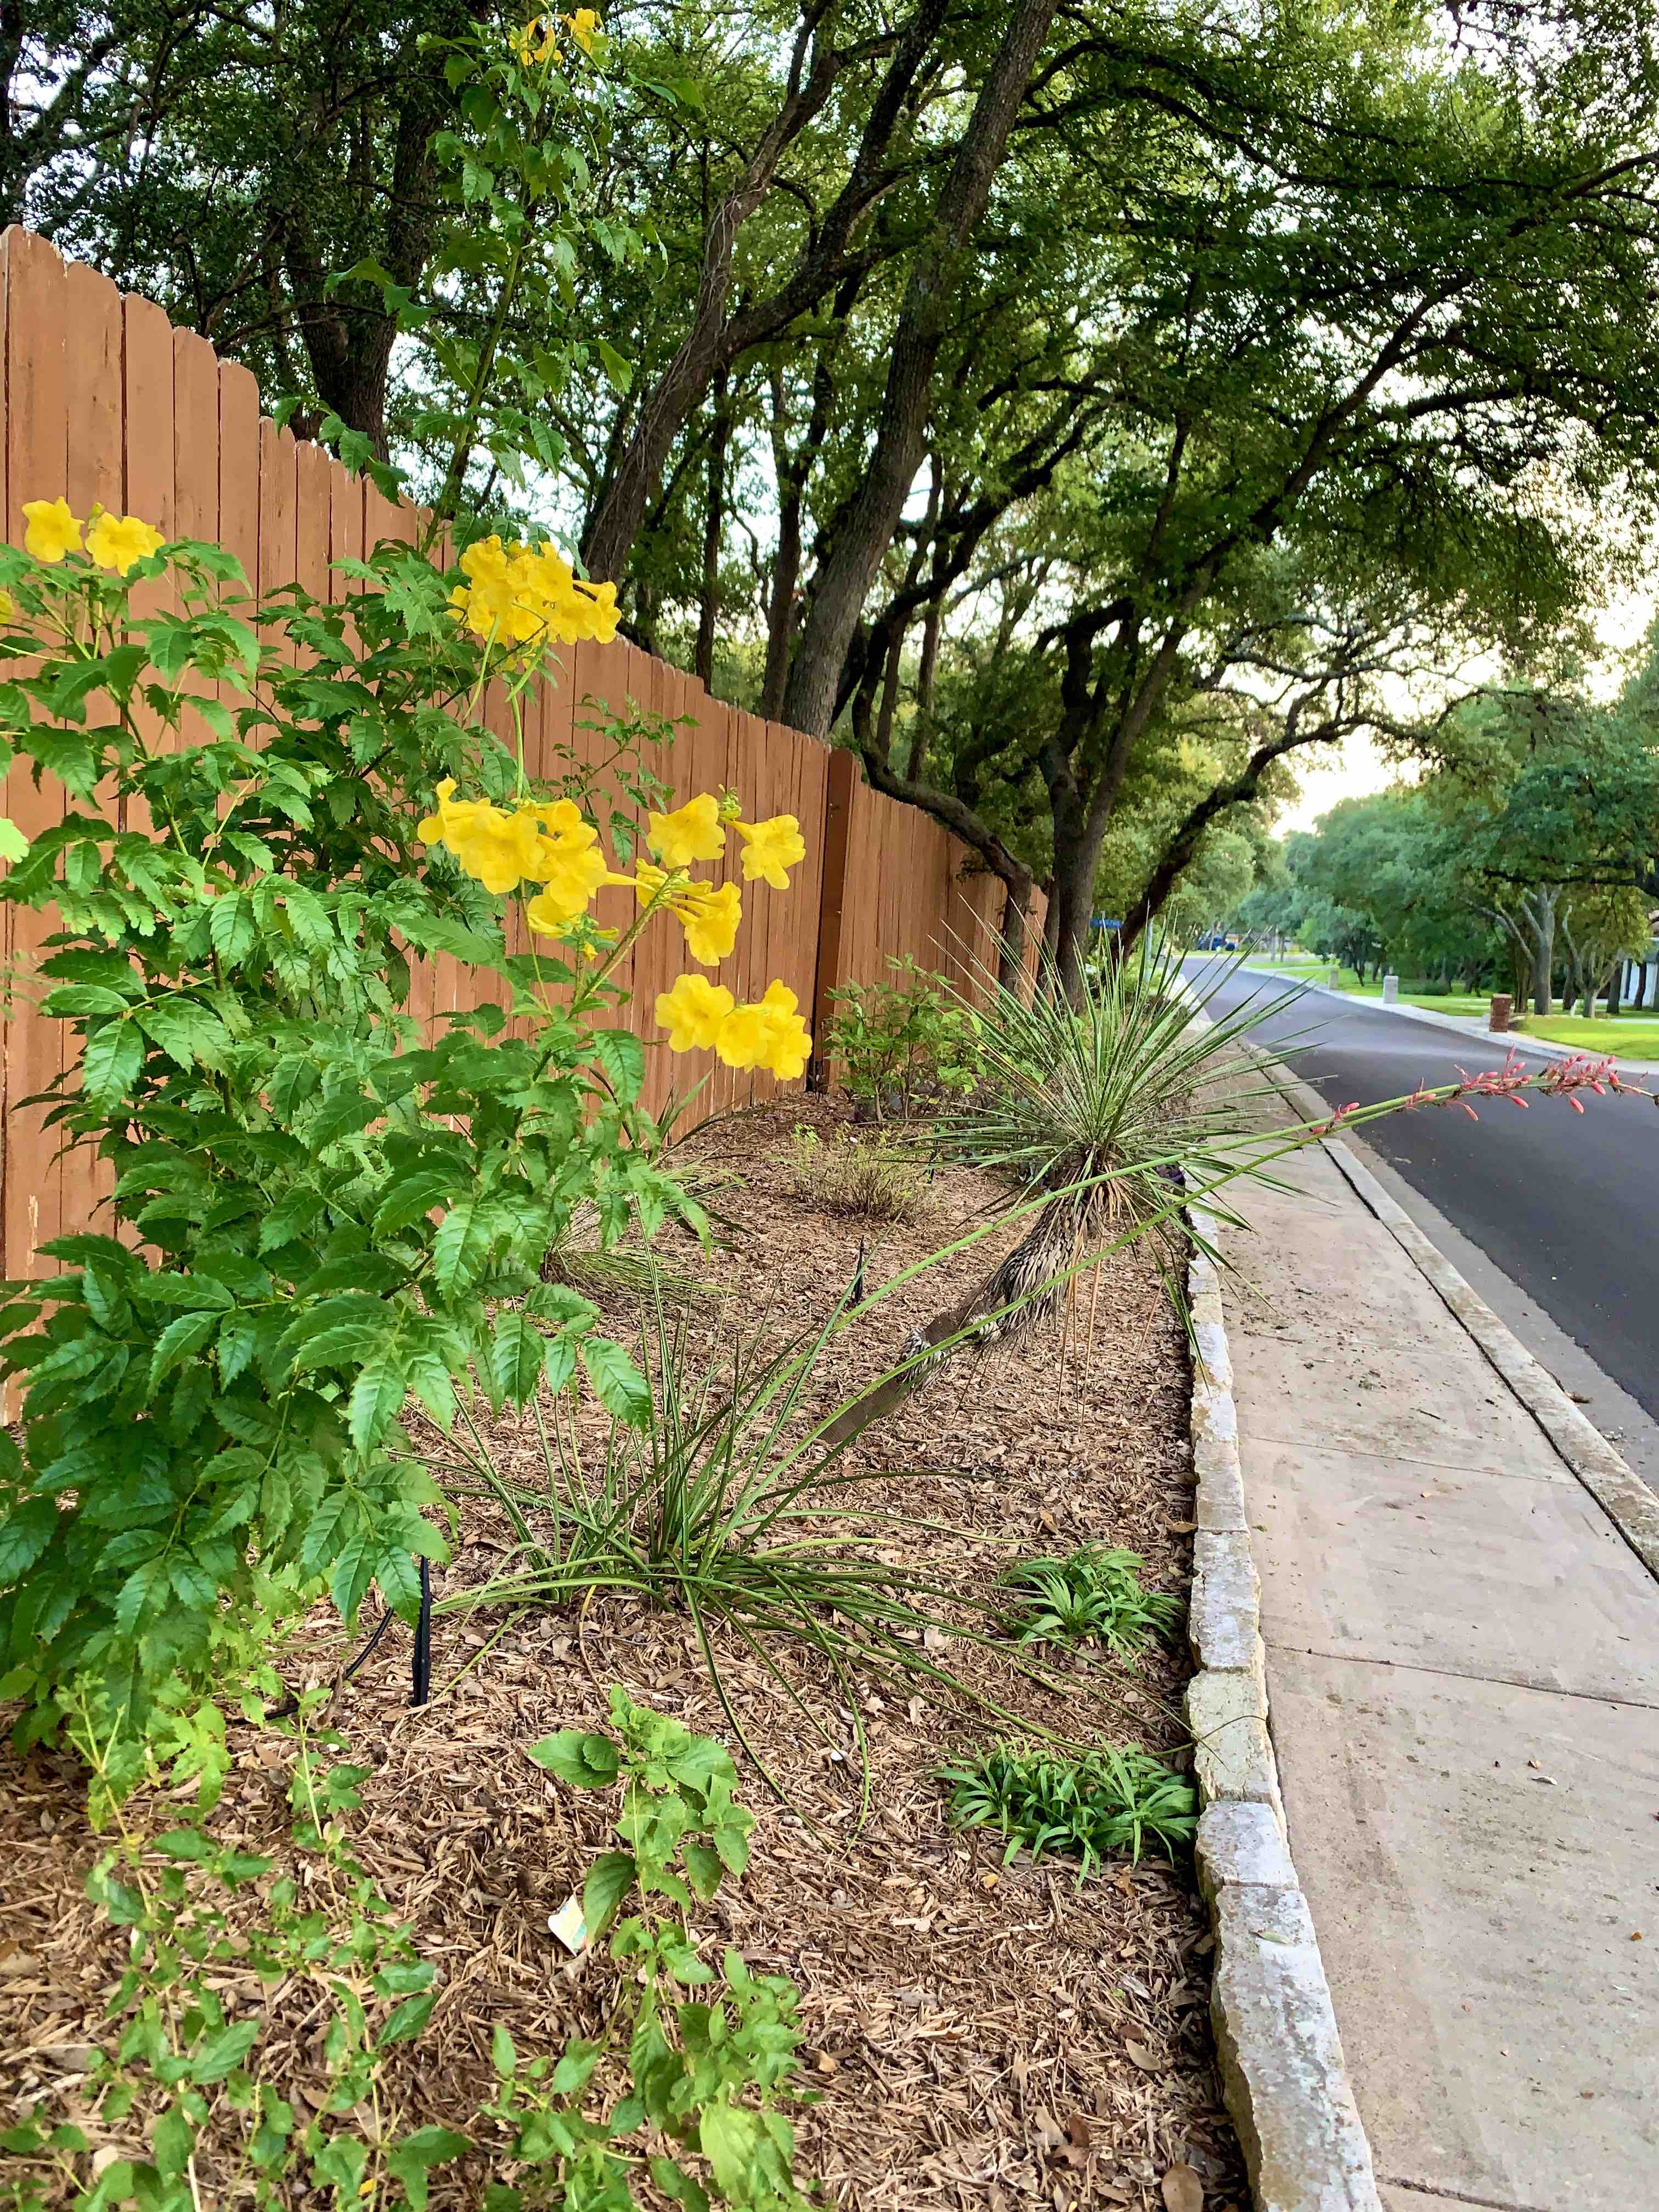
pixel 1566 1205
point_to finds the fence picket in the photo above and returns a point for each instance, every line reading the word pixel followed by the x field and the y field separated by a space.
pixel 104 401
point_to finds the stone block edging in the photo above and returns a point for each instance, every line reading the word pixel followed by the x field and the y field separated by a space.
pixel 1286 2082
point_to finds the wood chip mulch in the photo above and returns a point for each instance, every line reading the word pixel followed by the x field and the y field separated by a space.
pixel 978 2036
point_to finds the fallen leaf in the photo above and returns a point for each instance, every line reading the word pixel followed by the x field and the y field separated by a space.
pixel 1077 2128
pixel 1181 1528
pixel 934 1639
pixel 825 2063
pixel 1183 2190
pixel 1143 2058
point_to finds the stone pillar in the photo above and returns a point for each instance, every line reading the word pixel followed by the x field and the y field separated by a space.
pixel 1333 979
pixel 1503 1005
pixel 1391 990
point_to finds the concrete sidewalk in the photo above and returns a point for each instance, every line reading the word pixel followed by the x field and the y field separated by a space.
pixel 1463 1680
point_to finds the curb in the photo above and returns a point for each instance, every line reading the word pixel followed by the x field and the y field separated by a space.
pixel 1282 2067
pixel 1616 1489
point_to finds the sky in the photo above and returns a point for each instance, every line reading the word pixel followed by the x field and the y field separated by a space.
pixel 1356 768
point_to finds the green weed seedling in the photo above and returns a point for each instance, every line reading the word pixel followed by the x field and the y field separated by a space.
pixel 1109 1803
pixel 708 2071
pixel 1093 1595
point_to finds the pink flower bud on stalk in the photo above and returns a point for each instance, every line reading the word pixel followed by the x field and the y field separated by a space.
pixel 1562 1078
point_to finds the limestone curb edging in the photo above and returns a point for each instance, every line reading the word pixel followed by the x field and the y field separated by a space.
pixel 1286 2082
pixel 1622 1495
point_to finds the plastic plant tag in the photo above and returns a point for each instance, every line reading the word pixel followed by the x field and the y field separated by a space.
pixel 568 1925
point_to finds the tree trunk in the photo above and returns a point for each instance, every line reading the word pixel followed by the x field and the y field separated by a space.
pixel 610 539
pixel 1010 952
pixel 902 434
pixel 1615 986
pixel 714 530
pixel 1540 906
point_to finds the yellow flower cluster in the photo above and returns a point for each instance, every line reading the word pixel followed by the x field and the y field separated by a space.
pixel 551 845
pixel 554 846
pixel 699 1015
pixel 538 40
pixel 708 917
pixel 114 541
pixel 696 831
pixel 522 595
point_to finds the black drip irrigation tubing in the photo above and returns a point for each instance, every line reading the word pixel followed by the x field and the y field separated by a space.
pixel 420 1671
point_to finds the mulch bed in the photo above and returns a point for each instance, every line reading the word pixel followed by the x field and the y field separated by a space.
pixel 979 2036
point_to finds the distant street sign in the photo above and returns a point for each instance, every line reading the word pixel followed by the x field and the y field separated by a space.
pixel 1100 921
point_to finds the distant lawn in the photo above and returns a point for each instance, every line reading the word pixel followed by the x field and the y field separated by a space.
pixel 1303 968
pixel 1633 1036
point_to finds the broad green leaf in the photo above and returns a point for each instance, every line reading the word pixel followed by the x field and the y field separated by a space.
pixel 377 1396
pixel 110 1062
pixel 610 1878
pixel 516 1357
pixel 728 2138
pixel 623 1390
pixel 461 1243
pixel 354 1571
pixel 24 1536
pixel 407 2022
pixel 180 1340
pixel 587 1761
pixel 224 2051
pixel 622 1056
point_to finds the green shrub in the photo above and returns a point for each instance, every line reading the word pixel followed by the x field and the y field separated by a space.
pixel 903 1044
pixel 1094 1808
pixel 316 1204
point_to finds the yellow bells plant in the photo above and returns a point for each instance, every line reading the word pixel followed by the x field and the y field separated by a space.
pixel 116 541
pixel 771 1035
pixel 518 596
pixel 693 1012
pixel 770 848
pixel 553 844
pixel 710 918
pixel 52 530
pixel 694 831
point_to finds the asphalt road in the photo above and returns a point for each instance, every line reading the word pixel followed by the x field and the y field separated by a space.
pixel 1566 1205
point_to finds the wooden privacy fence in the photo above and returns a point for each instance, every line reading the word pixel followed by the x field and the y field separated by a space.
pixel 105 402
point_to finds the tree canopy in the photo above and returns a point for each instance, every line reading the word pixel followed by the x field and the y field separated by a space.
pixel 1083 415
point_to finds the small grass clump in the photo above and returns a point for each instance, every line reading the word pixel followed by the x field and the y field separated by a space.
pixel 1091 1808
pixel 876 1181
pixel 1093 1595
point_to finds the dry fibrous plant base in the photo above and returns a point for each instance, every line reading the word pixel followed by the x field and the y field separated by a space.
pixel 980 2037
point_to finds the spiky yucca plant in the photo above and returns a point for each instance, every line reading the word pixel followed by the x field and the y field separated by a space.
pixel 1120 1109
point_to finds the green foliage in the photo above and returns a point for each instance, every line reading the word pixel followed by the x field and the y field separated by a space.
pixel 903 1044
pixel 1107 1112
pixel 877 1182
pixel 709 2071
pixel 1109 1801
pixel 317 1210
pixel 721 1508
pixel 1092 1596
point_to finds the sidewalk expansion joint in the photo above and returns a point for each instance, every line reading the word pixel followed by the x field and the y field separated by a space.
pixel 1458 2196
pixel 1466 1674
